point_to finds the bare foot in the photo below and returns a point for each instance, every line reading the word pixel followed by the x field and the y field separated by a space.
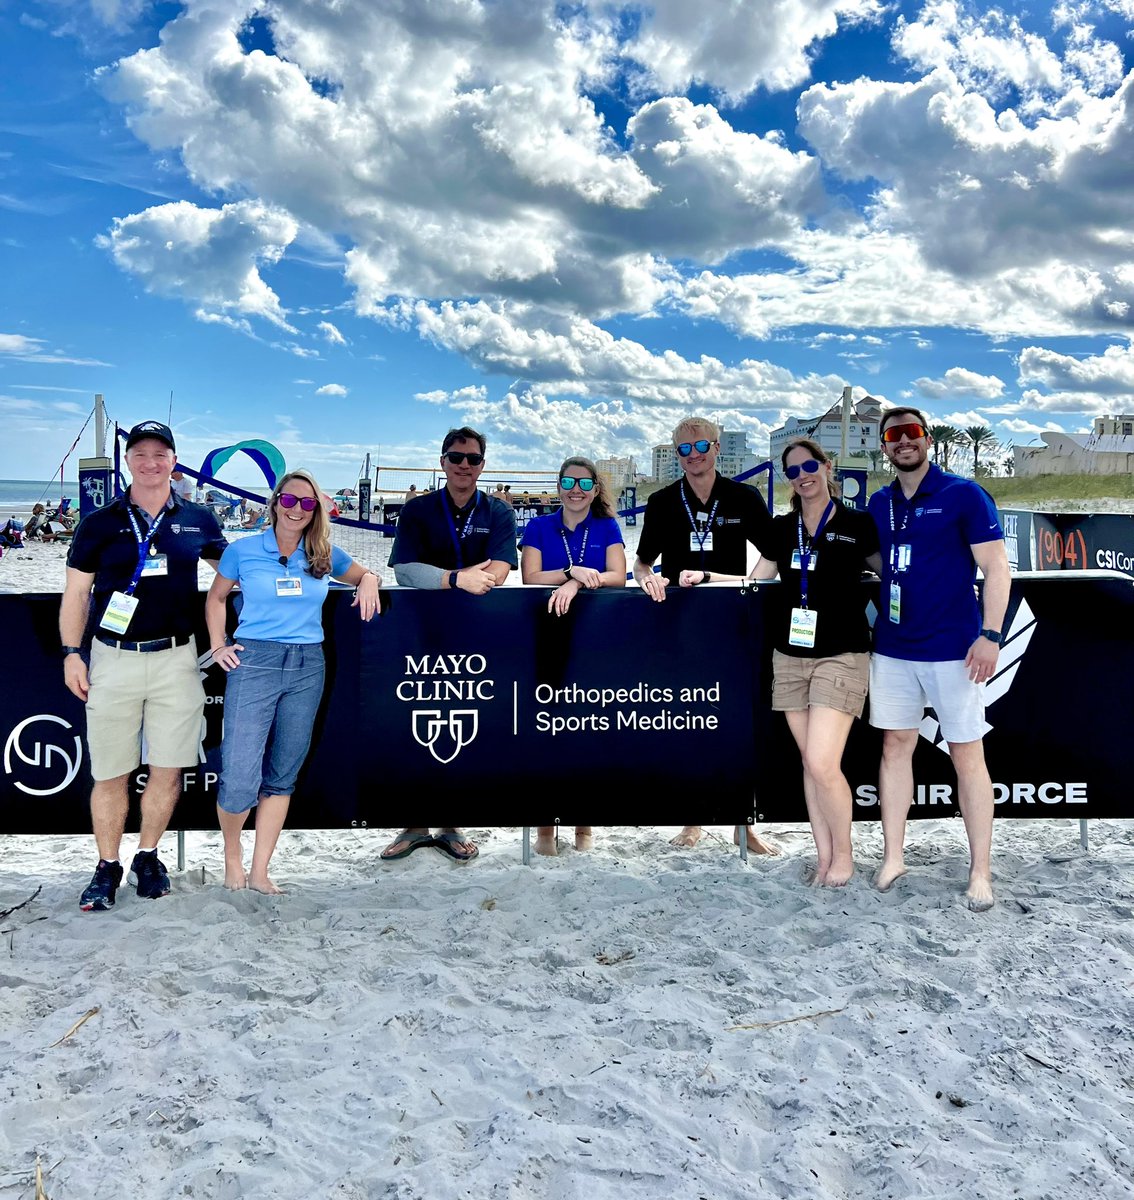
pixel 689 836
pixel 234 877
pixel 545 841
pixel 979 894
pixel 265 885
pixel 756 844
pixel 584 838
pixel 838 875
pixel 888 875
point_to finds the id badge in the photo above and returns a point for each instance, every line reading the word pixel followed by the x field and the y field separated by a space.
pixel 802 630
pixel 156 564
pixel 904 558
pixel 292 585
pixel 797 561
pixel 119 610
pixel 695 543
pixel 895 603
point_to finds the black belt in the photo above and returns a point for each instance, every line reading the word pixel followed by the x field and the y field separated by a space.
pixel 142 647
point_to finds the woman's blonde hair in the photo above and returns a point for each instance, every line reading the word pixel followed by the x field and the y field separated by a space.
pixel 317 537
pixel 820 455
pixel 600 505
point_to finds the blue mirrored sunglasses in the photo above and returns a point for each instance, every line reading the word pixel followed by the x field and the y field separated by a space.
pixel 567 482
pixel 810 466
pixel 687 448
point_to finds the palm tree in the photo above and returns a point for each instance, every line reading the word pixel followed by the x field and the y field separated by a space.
pixel 978 438
pixel 945 437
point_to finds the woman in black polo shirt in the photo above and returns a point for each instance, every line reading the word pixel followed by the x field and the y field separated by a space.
pixel 822 641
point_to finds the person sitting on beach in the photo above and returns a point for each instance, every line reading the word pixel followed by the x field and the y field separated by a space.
pixel 139 554
pixel 821 659
pixel 579 547
pixel 12 535
pixel 38 525
pixel 182 486
pixel 931 645
pixel 274 663
pixel 455 538
pixel 700 526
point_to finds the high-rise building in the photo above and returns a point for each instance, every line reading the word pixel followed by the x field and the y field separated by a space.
pixel 617 473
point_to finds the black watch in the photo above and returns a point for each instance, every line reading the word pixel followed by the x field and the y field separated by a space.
pixel 993 635
pixel 453 580
pixel 71 650
pixel 567 570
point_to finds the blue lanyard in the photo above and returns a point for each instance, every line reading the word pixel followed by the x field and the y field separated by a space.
pixel 567 548
pixel 907 509
pixel 458 538
pixel 144 541
pixel 701 537
pixel 805 555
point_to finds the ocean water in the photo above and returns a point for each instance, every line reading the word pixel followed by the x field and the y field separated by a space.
pixel 23 493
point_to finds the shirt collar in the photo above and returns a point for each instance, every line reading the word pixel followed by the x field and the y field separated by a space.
pixel 932 482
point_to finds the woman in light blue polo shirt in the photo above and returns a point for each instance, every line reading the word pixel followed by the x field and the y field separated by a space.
pixel 580 546
pixel 275 663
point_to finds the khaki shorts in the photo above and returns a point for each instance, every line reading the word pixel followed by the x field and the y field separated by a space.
pixel 156 696
pixel 839 683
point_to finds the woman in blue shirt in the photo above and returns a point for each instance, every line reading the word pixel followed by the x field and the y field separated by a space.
pixel 580 546
pixel 275 663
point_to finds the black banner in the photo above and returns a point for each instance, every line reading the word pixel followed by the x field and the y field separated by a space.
pixel 1069 541
pixel 453 709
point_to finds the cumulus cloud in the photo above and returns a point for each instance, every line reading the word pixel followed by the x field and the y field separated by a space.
pixel 332 334
pixel 331 389
pixel 211 256
pixel 1110 373
pixel 957 381
pixel 26 349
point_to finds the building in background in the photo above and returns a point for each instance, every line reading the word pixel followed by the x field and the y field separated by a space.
pixel 734 457
pixel 617 473
pixel 827 430
pixel 1107 450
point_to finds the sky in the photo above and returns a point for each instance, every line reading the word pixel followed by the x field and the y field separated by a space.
pixel 346 227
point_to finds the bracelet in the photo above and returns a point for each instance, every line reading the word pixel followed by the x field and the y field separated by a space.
pixel 453 580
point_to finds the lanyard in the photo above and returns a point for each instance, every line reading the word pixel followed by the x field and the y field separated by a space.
pixel 144 541
pixel 458 538
pixel 582 549
pixel 701 537
pixel 805 554
pixel 907 508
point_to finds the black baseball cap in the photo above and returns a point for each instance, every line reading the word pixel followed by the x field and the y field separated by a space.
pixel 151 429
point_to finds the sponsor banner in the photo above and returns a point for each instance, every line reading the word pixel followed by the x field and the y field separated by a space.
pixel 1069 541
pixel 453 709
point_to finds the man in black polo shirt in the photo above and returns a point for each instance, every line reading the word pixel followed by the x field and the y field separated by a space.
pixel 699 525
pixel 453 538
pixel 132 585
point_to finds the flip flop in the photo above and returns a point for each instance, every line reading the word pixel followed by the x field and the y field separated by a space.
pixel 414 841
pixel 447 843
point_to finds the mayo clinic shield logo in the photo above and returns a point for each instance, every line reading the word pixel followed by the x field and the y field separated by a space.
pixel 451 731
pixel 53 757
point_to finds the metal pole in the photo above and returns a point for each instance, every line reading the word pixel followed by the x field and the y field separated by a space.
pixel 527 846
pixel 181 849
pixel 846 425
pixel 1083 833
pixel 100 427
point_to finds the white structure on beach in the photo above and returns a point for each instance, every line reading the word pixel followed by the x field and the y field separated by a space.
pixel 1107 450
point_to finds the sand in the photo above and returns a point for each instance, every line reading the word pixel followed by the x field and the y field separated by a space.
pixel 636 1022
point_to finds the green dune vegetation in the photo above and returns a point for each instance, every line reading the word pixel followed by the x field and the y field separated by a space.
pixel 1034 490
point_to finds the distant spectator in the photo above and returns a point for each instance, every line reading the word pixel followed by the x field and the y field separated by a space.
pixel 181 487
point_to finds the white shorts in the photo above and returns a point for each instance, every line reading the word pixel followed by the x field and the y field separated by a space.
pixel 900 692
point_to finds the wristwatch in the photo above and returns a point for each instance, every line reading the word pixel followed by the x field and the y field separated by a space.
pixel 71 650
pixel 993 635
pixel 708 578
pixel 453 580
pixel 567 570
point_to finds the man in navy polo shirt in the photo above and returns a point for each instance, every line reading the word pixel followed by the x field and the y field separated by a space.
pixel 132 588
pixel 453 538
pixel 931 645
pixel 701 526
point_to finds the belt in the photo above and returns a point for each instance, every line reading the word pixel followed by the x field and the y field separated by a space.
pixel 142 647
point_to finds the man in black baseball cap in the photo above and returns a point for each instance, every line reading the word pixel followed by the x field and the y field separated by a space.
pixel 151 429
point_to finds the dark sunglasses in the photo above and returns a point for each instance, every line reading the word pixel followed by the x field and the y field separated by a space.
pixel 687 448
pixel 811 465
pixel 893 433
pixel 456 457
pixel 307 503
pixel 567 482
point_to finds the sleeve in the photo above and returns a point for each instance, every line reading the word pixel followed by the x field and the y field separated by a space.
pixel 868 535
pixel 340 561
pixel 83 553
pixel 611 533
pixel 761 531
pixel 215 541
pixel 980 520
pixel 502 539
pixel 229 565
pixel 649 547
pixel 407 534
pixel 533 534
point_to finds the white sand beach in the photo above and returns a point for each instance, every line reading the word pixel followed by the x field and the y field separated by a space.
pixel 634 1022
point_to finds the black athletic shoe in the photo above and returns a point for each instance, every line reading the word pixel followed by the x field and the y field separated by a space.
pixel 149 873
pixel 100 892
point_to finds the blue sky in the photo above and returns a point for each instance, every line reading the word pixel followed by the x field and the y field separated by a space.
pixel 345 228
